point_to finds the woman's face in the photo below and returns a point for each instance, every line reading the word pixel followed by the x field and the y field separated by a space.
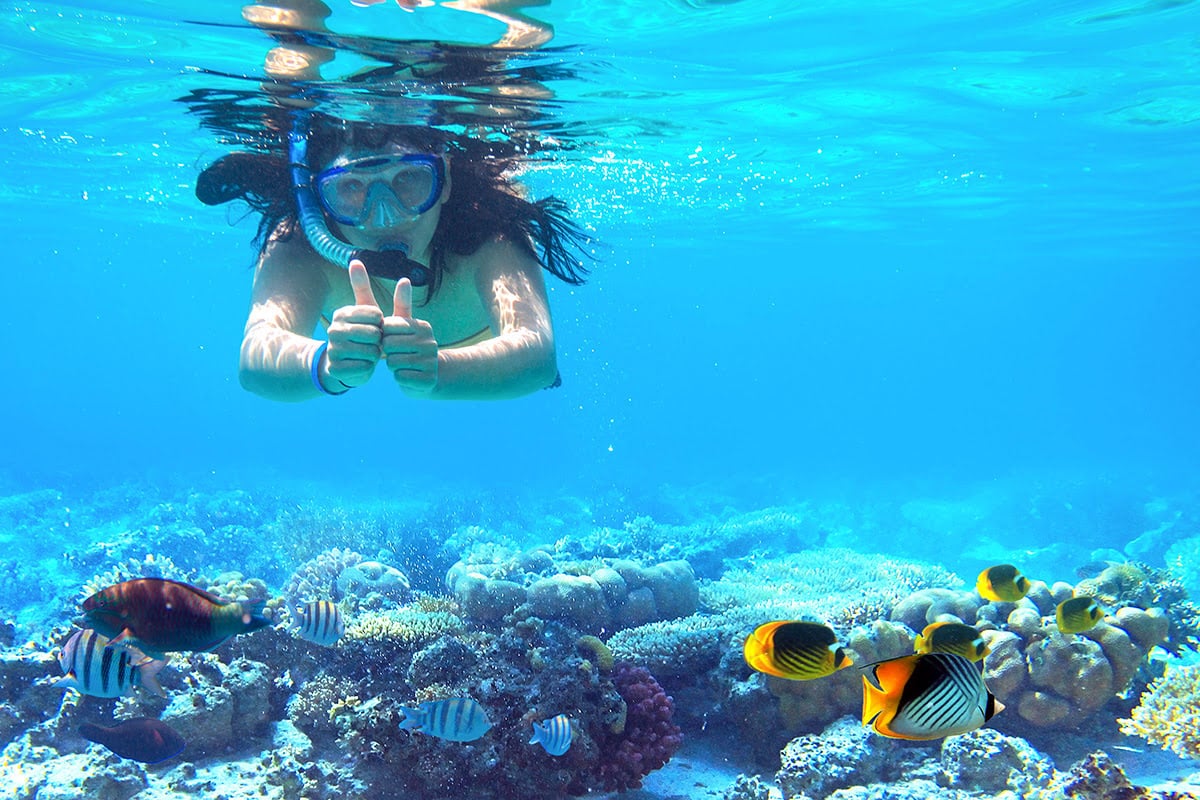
pixel 387 198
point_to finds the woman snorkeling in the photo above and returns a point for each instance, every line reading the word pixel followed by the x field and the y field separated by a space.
pixel 414 248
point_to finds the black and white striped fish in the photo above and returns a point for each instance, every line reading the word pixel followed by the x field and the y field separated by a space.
pixel 926 696
pixel 320 622
pixel 458 719
pixel 554 735
pixel 93 667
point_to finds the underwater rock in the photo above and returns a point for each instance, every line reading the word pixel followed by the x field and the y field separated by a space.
pixel 987 761
pixel 591 596
pixel 845 754
pixel 366 577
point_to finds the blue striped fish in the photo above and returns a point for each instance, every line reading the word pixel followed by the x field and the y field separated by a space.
pixel 458 719
pixel 320 622
pixel 554 735
pixel 93 667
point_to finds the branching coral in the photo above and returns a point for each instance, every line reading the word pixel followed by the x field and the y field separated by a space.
pixel 1169 712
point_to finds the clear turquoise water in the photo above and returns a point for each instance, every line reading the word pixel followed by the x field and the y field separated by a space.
pixel 854 243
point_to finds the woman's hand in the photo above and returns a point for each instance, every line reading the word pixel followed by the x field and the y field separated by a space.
pixel 355 335
pixel 408 344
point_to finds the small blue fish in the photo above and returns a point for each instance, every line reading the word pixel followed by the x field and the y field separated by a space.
pixel 458 719
pixel 93 667
pixel 554 735
pixel 320 622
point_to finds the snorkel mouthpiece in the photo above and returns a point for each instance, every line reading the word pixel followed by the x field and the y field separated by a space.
pixel 392 263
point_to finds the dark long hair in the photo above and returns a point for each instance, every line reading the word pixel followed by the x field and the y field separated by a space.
pixel 485 201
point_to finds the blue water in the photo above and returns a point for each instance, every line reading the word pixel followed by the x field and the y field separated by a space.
pixel 936 262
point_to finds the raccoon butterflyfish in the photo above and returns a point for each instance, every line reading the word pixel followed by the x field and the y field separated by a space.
pixel 1002 583
pixel 926 696
pixel 952 637
pixel 1078 614
pixel 798 651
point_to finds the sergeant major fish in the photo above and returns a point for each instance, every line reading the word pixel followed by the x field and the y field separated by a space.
pixel 554 735
pixel 457 719
pixel 320 622
pixel 157 616
pixel 92 667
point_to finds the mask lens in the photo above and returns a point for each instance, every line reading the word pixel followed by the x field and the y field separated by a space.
pixel 411 182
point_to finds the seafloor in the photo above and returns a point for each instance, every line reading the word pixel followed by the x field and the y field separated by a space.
pixel 625 611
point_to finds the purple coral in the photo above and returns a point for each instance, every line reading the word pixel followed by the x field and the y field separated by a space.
pixel 650 736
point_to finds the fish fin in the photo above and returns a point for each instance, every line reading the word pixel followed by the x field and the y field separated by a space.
pixel 68 681
pixel 538 733
pixel 148 676
pixel 411 721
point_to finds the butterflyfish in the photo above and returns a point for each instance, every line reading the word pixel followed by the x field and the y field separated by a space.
pixel 158 616
pixel 457 719
pixel 798 651
pixel 146 740
pixel 926 696
pixel 554 735
pixel 320 622
pixel 1078 614
pixel 1002 583
pixel 952 637
pixel 91 666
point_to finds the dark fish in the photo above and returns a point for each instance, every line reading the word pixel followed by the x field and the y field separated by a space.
pixel 798 651
pixel 146 740
pixel 926 696
pixel 157 616
pixel 1002 583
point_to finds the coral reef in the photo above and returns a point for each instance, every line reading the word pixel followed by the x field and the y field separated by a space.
pixel 593 595
pixel 648 737
pixel 1168 714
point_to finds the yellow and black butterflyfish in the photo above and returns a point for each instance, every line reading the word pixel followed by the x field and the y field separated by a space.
pixel 1078 614
pixel 1002 583
pixel 799 651
pixel 952 637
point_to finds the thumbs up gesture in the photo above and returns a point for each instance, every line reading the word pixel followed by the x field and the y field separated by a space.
pixel 408 344
pixel 355 334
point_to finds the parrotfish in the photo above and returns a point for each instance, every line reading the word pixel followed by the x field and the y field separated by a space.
pixel 457 719
pixel 798 651
pixel 95 668
pixel 554 735
pixel 926 696
pixel 158 616
pixel 146 740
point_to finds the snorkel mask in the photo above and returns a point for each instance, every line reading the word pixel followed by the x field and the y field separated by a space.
pixel 392 262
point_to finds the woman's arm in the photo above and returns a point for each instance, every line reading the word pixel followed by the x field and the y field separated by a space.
pixel 520 359
pixel 286 300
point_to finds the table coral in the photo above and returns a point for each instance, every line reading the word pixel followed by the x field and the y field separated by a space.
pixel 1169 712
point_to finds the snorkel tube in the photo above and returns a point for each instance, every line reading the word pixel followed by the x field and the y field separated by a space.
pixel 393 263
